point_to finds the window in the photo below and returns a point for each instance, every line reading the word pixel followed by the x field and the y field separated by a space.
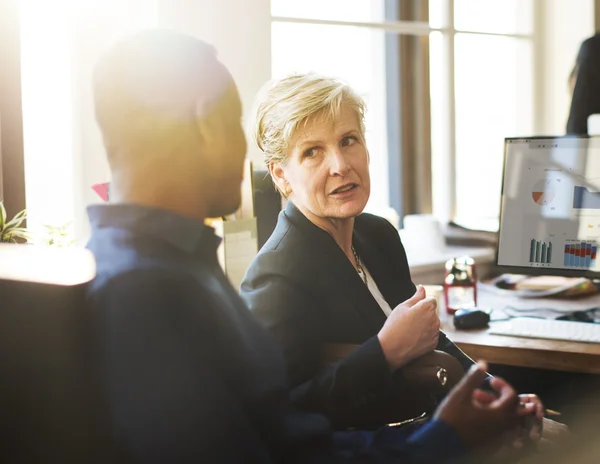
pixel 445 81
pixel 484 49
pixel 60 42
pixel 305 46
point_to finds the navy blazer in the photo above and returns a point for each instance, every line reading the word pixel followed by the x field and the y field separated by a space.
pixel 307 293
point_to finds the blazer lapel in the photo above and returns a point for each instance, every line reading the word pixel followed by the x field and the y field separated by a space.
pixel 378 267
pixel 334 269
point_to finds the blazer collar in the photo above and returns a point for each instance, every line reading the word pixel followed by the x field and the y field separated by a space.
pixel 337 272
pixel 377 263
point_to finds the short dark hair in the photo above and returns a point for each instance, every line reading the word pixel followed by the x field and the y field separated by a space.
pixel 146 89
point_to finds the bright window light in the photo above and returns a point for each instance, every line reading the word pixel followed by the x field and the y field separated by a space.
pixel 60 43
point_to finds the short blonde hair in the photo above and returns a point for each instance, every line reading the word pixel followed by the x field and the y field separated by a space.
pixel 283 105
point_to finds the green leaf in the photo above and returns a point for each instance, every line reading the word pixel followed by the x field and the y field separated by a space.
pixel 2 215
pixel 16 230
pixel 17 220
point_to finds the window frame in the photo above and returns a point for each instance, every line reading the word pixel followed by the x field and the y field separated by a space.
pixel 12 165
pixel 409 150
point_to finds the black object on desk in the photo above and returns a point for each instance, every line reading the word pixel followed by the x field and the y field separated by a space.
pixel 590 315
pixel 473 318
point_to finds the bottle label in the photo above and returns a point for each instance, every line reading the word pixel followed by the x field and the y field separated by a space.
pixel 461 297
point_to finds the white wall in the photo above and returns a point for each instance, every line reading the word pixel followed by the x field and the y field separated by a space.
pixel 566 23
pixel 63 148
pixel 241 32
pixel 96 26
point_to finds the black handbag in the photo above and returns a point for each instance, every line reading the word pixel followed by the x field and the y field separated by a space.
pixel 416 391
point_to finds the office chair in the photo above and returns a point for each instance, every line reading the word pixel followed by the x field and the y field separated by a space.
pixel 51 402
pixel 267 204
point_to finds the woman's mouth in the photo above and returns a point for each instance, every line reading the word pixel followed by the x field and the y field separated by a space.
pixel 344 189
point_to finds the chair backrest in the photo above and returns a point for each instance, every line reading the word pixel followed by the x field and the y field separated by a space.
pixel 51 402
pixel 267 204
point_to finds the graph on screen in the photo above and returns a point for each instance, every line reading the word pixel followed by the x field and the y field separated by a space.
pixel 584 199
pixel 580 254
pixel 543 192
pixel 550 214
pixel 540 252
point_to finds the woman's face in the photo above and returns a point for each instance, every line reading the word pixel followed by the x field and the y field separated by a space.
pixel 326 171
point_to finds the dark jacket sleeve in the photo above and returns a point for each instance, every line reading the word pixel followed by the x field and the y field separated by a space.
pixel 586 94
pixel 168 401
pixel 434 442
pixel 343 390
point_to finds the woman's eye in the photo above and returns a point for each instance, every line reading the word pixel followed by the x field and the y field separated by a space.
pixel 310 153
pixel 347 141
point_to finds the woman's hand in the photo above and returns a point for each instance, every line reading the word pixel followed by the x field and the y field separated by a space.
pixel 411 330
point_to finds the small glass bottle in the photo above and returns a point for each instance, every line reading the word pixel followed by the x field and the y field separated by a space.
pixel 460 284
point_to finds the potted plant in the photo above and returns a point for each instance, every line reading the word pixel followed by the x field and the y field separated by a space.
pixel 60 236
pixel 11 230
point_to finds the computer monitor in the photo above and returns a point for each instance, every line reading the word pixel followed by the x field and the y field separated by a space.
pixel 52 403
pixel 550 207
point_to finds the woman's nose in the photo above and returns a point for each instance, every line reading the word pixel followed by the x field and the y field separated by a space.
pixel 339 163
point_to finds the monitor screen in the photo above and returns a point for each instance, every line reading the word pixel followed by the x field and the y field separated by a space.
pixel 550 207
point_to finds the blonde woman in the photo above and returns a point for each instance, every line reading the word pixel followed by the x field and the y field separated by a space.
pixel 331 273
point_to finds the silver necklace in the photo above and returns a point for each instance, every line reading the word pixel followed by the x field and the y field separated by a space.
pixel 359 266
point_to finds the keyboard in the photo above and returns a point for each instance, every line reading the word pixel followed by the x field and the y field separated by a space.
pixel 548 329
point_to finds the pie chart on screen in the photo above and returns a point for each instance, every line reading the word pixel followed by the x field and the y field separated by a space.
pixel 543 192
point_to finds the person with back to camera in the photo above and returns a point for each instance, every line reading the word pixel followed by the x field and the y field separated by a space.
pixel 190 375
pixel 331 274
pixel 584 83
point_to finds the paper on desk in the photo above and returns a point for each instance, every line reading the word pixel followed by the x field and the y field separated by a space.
pixel 545 286
pixel 490 296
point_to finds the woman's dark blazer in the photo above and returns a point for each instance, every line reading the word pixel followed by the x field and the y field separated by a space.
pixel 307 293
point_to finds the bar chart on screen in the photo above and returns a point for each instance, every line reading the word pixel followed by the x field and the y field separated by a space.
pixel 540 252
pixel 580 254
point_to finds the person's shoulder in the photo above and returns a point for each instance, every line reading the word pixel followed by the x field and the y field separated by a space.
pixel 121 252
pixel 283 255
pixel 284 244
pixel 589 49
pixel 132 283
pixel 285 234
pixel 130 267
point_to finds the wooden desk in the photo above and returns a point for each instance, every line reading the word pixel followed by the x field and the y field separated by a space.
pixel 524 352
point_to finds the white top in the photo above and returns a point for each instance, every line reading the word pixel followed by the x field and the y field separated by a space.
pixel 385 307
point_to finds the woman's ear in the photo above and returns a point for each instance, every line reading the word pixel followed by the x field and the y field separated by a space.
pixel 278 175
